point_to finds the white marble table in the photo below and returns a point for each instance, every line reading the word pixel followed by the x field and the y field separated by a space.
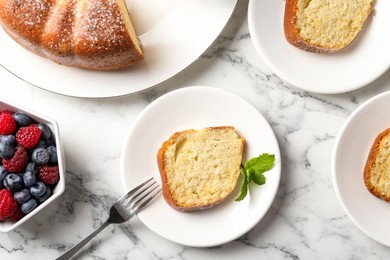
pixel 305 221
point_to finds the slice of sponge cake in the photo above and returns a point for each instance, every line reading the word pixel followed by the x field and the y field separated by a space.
pixel 200 168
pixel 324 25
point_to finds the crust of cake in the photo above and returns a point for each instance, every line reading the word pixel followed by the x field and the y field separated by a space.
pixel 370 180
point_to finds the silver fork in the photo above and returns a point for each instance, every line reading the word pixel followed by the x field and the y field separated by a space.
pixel 123 209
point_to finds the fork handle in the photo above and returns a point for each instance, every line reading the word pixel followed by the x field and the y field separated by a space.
pixel 82 243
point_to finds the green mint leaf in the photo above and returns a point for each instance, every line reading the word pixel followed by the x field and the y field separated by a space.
pixel 249 174
pixel 244 186
pixel 253 170
pixel 261 164
pixel 258 178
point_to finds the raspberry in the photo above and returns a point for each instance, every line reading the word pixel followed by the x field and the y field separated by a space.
pixel 18 214
pixel 49 175
pixel 8 206
pixel 7 123
pixel 28 136
pixel 18 162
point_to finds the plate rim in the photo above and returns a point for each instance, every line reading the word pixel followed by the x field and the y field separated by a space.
pixel 334 173
pixel 277 166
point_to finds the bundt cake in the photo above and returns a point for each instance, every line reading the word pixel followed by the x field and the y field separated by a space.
pixel 90 34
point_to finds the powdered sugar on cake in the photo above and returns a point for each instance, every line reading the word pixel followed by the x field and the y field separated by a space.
pixel 92 34
pixel 100 22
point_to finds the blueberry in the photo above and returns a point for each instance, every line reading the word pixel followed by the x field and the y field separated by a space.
pixel 45 196
pixel 31 167
pixel 13 182
pixel 41 144
pixel 53 154
pixel 22 196
pixel 10 139
pixel 38 189
pixel 7 150
pixel 50 142
pixel 22 119
pixel 46 132
pixel 29 179
pixel 29 206
pixel 40 156
pixel 3 174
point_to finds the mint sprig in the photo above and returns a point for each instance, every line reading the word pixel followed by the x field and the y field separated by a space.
pixel 253 170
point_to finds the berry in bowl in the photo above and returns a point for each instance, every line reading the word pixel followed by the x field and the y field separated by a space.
pixel 31 164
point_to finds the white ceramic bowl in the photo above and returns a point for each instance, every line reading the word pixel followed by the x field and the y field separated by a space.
pixel 59 188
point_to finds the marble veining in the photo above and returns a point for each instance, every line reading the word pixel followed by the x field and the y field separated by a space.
pixel 305 221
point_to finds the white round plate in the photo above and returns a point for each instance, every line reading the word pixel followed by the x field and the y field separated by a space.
pixel 174 33
pixel 357 65
pixel 370 214
pixel 198 107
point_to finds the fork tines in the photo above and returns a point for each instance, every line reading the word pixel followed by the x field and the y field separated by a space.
pixel 139 197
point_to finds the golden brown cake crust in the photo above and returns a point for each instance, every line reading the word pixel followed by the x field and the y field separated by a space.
pixel 166 189
pixel 374 151
pixel 90 34
pixel 290 30
pixel 161 166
